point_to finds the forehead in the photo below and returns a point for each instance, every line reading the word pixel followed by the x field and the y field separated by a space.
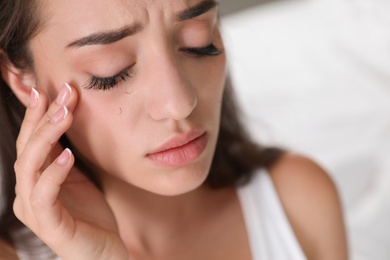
pixel 108 13
pixel 64 21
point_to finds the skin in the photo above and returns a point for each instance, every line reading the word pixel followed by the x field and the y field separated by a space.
pixel 147 211
pixel 164 101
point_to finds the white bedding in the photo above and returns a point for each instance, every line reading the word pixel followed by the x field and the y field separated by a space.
pixel 314 76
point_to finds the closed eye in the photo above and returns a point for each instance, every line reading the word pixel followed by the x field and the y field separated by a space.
pixel 209 50
pixel 98 83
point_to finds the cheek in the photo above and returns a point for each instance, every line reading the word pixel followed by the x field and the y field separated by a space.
pixel 106 125
pixel 95 119
pixel 211 77
pixel 210 87
pixel 49 69
pixel 50 84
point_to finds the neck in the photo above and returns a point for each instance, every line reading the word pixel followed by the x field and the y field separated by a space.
pixel 145 219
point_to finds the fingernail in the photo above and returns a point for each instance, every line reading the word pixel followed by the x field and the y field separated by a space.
pixel 59 115
pixel 64 94
pixel 34 97
pixel 64 157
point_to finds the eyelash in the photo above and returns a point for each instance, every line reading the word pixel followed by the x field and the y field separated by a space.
pixel 209 50
pixel 110 82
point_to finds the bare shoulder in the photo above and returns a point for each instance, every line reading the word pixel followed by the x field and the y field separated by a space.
pixel 7 251
pixel 312 205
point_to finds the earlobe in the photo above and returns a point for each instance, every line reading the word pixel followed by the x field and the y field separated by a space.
pixel 20 82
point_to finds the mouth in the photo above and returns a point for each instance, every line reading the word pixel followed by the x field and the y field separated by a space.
pixel 180 150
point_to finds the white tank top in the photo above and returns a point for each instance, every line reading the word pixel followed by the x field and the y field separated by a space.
pixel 270 234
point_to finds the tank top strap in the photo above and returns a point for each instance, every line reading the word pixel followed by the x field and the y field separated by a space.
pixel 268 228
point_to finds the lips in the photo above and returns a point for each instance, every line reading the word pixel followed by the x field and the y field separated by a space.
pixel 180 150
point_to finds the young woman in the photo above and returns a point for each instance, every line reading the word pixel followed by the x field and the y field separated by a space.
pixel 140 154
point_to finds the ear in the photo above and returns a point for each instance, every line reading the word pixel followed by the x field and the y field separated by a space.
pixel 21 82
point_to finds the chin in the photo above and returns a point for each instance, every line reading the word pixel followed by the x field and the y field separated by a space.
pixel 177 182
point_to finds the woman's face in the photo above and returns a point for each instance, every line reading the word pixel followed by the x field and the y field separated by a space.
pixel 150 77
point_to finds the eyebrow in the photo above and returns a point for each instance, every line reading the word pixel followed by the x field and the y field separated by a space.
pixel 201 8
pixel 105 38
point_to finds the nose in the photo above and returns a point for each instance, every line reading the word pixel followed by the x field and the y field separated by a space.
pixel 170 92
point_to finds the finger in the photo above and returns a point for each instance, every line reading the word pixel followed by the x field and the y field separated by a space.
pixel 22 206
pixel 40 141
pixel 67 96
pixel 38 114
pixel 34 113
pixel 37 150
pixel 45 205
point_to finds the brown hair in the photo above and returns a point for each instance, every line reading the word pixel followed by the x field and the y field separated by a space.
pixel 18 23
pixel 236 154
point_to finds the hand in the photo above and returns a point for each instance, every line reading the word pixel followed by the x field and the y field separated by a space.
pixel 53 198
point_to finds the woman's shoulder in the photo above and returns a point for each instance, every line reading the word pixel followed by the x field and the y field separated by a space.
pixel 312 205
pixel 7 252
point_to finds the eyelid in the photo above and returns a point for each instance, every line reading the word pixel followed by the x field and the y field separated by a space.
pixel 116 74
pixel 106 83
